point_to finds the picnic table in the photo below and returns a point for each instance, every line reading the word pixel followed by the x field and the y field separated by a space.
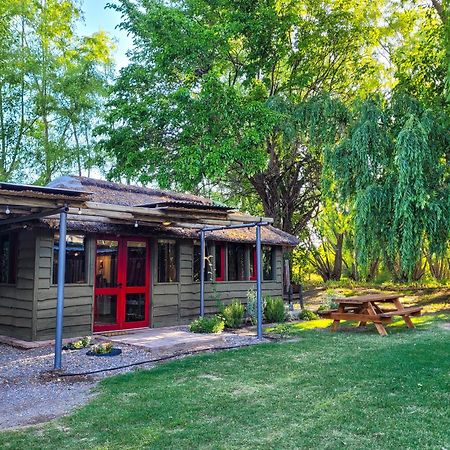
pixel 366 308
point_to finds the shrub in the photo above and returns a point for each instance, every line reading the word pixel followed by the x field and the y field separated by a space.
pixel 274 310
pixel 306 314
pixel 251 312
pixel 102 348
pixel 329 301
pixel 214 324
pixel 76 345
pixel 233 314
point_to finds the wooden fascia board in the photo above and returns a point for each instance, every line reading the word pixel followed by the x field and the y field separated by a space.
pixel 140 213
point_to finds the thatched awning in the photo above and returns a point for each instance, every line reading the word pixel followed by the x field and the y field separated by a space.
pixel 269 235
pixel 103 207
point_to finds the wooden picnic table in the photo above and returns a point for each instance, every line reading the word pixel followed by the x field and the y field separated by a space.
pixel 365 308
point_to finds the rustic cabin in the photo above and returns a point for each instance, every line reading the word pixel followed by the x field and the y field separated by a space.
pixel 132 257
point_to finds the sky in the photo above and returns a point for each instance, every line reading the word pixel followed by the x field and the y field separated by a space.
pixel 97 17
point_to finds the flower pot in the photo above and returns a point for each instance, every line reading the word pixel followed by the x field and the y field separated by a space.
pixel 113 352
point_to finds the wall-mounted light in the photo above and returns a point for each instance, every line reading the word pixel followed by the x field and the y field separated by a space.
pixel 7 211
pixel 136 224
pixel 167 223
pixel 79 211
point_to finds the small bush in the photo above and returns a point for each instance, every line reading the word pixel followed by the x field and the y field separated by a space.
pixel 274 310
pixel 76 345
pixel 214 324
pixel 329 301
pixel 251 309
pixel 306 314
pixel 233 314
pixel 251 312
pixel 103 348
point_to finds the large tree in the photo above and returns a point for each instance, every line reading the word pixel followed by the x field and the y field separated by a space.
pixel 240 93
pixel 392 170
pixel 51 86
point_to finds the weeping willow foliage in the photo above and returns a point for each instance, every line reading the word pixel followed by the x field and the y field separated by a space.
pixel 392 170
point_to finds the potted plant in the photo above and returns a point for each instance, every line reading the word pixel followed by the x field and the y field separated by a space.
pixel 104 349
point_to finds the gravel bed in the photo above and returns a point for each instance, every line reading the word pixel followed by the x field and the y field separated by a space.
pixel 31 393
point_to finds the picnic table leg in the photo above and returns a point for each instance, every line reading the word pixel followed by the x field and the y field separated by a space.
pixel 405 317
pixel 363 323
pixel 336 322
pixel 335 325
pixel 378 325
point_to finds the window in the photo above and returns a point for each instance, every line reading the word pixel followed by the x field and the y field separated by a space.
pixel 75 259
pixel 220 262
pixel 208 257
pixel 8 257
pixel 236 262
pixel 106 263
pixel 167 261
pixel 267 262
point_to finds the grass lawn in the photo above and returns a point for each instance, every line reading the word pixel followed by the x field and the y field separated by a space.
pixel 349 390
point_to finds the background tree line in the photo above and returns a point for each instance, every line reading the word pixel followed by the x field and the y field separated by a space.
pixel 332 117
pixel 52 85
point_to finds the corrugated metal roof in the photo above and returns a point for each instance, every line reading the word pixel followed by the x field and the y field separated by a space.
pixel 186 204
pixel 42 189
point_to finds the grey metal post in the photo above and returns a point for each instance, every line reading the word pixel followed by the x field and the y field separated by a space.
pixel 202 273
pixel 60 288
pixel 259 305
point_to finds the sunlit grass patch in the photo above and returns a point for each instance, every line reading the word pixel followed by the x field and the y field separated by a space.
pixel 344 390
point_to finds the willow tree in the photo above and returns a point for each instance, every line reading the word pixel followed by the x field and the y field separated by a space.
pixel 392 169
pixel 244 94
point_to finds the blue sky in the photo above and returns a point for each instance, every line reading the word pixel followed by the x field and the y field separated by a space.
pixel 98 17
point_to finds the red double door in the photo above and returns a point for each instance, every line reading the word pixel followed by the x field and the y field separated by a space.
pixel 122 283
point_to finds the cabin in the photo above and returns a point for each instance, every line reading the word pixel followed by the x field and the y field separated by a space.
pixel 132 257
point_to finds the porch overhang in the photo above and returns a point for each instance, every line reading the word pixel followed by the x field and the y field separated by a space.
pixel 21 204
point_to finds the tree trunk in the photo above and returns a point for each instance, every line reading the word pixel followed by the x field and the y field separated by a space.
pixel 337 266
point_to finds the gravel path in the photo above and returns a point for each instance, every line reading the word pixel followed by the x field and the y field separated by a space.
pixel 30 393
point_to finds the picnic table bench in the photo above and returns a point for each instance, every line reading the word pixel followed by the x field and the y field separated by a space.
pixel 365 308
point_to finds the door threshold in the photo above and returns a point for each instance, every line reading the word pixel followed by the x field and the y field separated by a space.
pixel 118 332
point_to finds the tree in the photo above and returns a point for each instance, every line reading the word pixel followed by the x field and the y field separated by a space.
pixel 247 92
pixel 51 86
pixel 392 171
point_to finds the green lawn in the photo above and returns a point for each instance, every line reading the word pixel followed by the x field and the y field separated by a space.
pixel 350 390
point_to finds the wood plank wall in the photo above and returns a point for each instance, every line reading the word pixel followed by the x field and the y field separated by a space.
pixel 28 309
pixel 16 301
pixel 179 303
pixel 78 298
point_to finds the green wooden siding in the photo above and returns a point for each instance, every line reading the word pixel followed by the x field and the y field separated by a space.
pixel 78 298
pixel 179 303
pixel 28 309
pixel 16 301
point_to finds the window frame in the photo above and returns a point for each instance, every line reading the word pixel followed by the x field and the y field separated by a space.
pixel 223 269
pixel 272 262
pixel 13 257
pixel 86 261
pixel 252 276
pixel 244 249
pixel 208 262
pixel 177 261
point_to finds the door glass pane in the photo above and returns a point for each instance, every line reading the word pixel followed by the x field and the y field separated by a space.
pixel 236 262
pixel 135 308
pixel 106 263
pixel 105 309
pixel 136 263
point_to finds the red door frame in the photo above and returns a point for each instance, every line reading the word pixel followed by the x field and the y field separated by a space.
pixel 121 290
pixel 221 277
